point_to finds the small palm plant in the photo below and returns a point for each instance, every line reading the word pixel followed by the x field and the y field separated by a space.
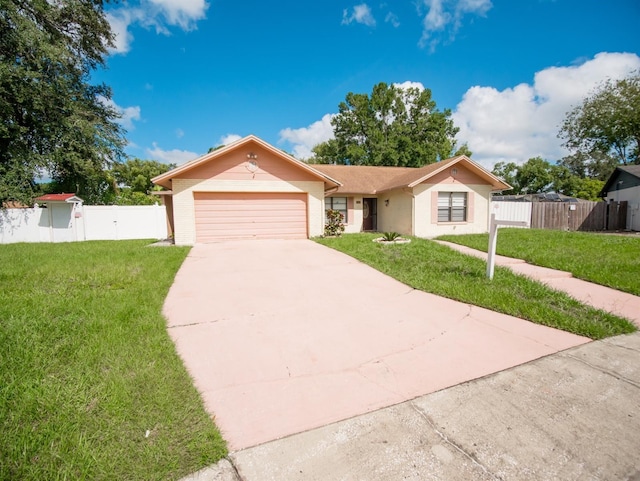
pixel 390 236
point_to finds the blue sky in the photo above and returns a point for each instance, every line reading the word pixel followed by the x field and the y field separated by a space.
pixel 192 74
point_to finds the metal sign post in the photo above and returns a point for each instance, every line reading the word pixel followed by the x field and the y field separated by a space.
pixel 493 239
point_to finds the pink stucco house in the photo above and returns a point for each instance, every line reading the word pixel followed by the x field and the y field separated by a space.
pixel 250 189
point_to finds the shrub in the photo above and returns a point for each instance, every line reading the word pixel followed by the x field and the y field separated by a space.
pixel 334 225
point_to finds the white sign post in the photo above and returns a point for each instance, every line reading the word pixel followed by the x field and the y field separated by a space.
pixel 493 239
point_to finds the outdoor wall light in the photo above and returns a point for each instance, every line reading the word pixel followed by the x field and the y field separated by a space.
pixel 386 202
pixel 252 156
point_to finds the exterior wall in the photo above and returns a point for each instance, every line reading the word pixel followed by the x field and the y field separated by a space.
pixel 395 212
pixel 426 218
pixel 184 207
pixel 632 196
pixel 354 216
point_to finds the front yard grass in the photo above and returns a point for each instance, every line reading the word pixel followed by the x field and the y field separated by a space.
pixel 606 259
pixel 434 268
pixel 90 384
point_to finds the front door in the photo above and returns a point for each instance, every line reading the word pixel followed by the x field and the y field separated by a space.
pixel 370 214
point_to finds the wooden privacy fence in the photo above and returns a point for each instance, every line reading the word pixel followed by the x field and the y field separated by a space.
pixel 588 216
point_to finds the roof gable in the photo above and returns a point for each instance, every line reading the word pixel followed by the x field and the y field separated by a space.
pixel 623 177
pixel 250 143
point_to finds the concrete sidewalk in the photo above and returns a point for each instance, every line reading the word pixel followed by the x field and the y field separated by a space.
pixel 601 297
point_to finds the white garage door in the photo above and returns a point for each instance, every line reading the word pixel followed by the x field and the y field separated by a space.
pixel 224 215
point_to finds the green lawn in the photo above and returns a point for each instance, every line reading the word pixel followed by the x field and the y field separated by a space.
pixel 431 267
pixel 609 260
pixel 90 384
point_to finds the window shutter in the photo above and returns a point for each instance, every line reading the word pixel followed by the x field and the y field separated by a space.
pixel 434 207
pixel 349 210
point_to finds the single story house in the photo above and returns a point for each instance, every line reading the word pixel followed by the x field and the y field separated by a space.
pixel 250 189
pixel 624 185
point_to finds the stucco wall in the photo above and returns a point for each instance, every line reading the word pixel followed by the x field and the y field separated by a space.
pixel 184 208
pixel 396 215
pixel 426 221
pixel 354 221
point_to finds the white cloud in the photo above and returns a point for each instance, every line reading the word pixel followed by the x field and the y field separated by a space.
pixel 445 17
pixel 183 13
pixel 119 21
pixel 174 156
pixel 408 84
pixel 521 122
pixel 127 114
pixel 361 14
pixel 392 18
pixel 229 138
pixel 304 139
pixel 158 14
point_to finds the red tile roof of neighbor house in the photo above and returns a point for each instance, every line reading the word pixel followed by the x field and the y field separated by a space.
pixel 55 197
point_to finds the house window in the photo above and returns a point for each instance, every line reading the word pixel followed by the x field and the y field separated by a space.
pixel 452 206
pixel 337 203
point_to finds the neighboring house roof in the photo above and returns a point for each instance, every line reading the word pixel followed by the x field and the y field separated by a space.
pixel 165 179
pixel 540 197
pixel 69 198
pixel 358 179
pixel 611 184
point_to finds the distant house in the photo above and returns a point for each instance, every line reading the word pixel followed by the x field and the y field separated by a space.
pixel 540 197
pixel 624 185
pixel 250 190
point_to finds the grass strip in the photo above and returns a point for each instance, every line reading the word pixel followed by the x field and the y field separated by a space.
pixel 91 386
pixel 606 259
pixel 431 267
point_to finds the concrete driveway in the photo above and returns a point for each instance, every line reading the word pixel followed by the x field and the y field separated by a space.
pixel 285 336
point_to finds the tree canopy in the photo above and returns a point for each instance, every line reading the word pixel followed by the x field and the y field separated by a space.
pixel 53 121
pixel 604 131
pixel 133 180
pixel 537 175
pixel 393 126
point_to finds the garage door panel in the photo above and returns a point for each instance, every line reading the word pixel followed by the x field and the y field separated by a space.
pixel 221 216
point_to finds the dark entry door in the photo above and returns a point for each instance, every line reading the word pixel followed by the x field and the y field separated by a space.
pixel 369 214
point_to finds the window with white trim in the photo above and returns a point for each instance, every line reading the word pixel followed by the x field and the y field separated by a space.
pixel 336 203
pixel 452 206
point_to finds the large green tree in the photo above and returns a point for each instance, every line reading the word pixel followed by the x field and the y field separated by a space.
pixel 393 126
pixel 537 175
pixel 604 131
pixel 133 180
pixel 53 120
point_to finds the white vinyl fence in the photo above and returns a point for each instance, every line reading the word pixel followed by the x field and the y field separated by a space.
pixel 60 222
